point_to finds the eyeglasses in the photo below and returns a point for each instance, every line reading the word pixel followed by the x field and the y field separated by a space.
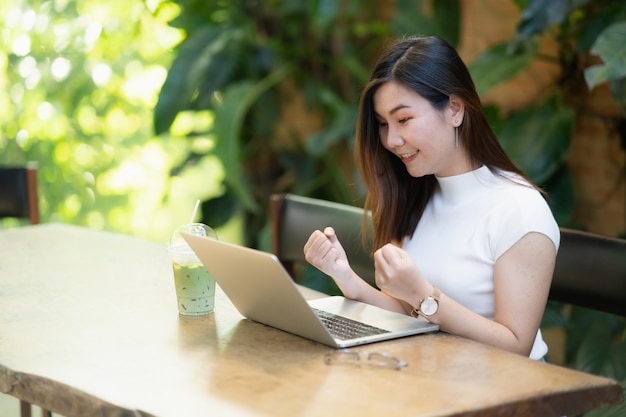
pixel 363 359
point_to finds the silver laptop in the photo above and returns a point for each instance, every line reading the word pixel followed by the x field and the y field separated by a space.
pixel 262 290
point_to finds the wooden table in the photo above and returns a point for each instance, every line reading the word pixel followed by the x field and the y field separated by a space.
pixel 89 327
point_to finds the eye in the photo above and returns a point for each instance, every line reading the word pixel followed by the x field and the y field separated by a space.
pixel 382 123
pixel 403 120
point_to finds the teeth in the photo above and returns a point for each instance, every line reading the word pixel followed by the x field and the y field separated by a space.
pixel 407 155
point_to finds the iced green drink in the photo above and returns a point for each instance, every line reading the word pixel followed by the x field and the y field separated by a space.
pixel 195 287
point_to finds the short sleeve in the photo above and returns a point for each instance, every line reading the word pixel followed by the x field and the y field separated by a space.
pixel 522 211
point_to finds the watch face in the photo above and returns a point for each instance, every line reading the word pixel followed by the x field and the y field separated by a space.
pixel 429 306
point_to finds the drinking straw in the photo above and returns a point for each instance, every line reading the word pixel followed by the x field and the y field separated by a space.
pixel 195 209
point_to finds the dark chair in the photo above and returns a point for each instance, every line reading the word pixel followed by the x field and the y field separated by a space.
pixel 590 271
pixel 19 199
pixel 294 218
pixel 18 193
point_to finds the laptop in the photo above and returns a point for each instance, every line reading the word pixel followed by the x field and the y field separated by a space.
pixel 263 291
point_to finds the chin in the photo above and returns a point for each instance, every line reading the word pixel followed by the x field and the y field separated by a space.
pixel 417 173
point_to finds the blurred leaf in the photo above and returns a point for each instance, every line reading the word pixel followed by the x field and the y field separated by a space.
pixel 204 63
pixel 594 23
pixel 492 113
pixel 611 47
pixel 541 15
pixel 561 198
pixel 448 18
pixel 195 14
pixel 615 362
pixel 593 350
pixel 501 63
pixel 323 12
pixel 610 42
pixel 537 139
pixel 341 127
pixel 218 211
pixel 553 316
pixel 410 20
pixel 596 74
pixel 229 119
pixel 356 68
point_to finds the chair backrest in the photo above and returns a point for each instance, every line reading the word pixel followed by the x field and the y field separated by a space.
pixel 18 192
pixel 590 272
pixel 294 218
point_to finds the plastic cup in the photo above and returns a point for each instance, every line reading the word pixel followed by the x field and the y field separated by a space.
pixel 195 287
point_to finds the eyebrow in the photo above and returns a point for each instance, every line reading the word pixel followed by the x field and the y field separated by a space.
pixel 395 109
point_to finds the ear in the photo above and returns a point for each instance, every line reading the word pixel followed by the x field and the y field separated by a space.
pixel 457 110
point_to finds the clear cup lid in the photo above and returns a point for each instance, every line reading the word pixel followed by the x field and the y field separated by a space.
pixel 178 245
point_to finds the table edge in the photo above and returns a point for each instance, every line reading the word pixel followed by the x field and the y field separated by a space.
pixel 56 396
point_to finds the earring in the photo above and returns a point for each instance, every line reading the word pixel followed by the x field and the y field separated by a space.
pixel 456 136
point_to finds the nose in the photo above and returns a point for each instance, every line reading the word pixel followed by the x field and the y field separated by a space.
pixel 393 139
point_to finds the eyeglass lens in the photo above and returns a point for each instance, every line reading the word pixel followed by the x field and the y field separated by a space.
pixel 365 358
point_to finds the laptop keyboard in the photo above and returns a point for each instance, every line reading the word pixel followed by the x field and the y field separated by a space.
pixel 344 328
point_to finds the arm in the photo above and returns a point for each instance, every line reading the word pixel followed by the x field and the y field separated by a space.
pixel 324 251
pixel 522 278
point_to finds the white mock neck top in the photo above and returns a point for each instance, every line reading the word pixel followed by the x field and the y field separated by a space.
pixel 470 221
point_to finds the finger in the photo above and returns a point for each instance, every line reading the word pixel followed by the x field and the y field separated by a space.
pixel 391 254
pixel 380 268
pixel 380 278
pixel 329 254
pixel 384 255
pixel 320 250
pixel 329 232
pixel 387 260
pixel 378 257
pixel 315 240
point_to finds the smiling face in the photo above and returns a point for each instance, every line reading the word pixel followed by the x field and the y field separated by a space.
pixel 417 133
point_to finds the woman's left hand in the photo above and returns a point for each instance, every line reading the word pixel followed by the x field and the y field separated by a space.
pixel 397 274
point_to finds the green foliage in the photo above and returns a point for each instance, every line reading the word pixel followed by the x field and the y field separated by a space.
pixel 411 19
pixel 79 82
pixel 537 138
pixel 249 62
pixel 611 48
pixel 539 16
pixel 501 63
pixel 595 343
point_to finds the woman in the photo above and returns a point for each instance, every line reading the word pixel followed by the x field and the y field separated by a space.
pixel 461 237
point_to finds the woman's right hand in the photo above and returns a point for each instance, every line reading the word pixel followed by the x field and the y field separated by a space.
pixel 324 251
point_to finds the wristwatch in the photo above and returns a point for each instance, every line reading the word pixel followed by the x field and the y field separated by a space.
pixel 428 306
